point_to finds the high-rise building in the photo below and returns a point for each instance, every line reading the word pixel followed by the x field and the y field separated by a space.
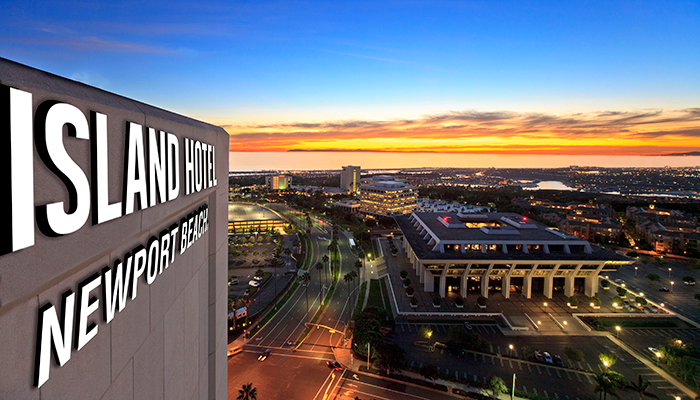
pixel 278 182
pixel 350 179
pixel 386 197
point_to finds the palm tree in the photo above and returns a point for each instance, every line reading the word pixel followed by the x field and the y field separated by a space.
pixel 319 267
pixel 325 261
pixel 287 252
pixel 358 267
pixel 606 383
pixel 305 278
pixel 641 388
pixel 232 308
pixel 353 275
pixel 247 392
pixel 348 279
pixel 247 301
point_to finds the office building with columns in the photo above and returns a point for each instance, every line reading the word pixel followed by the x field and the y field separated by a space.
pixel 474 254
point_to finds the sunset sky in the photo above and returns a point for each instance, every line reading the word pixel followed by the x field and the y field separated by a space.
pixel 560 77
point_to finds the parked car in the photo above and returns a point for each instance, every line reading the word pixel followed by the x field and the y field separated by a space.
pixel 439 345
pixel 460 392
pixel 689 283
pixel 619 281
pixel 653 350
pixel 547 358
pixel 233 281
pixel 334 365
pixel 254 283
pixel 456 351
pixel 664 289
pixel 468 326
pixel 264 355
pixel 558 361
pixel 258 278
pixel 538 356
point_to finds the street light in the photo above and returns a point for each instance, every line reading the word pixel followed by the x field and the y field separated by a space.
pixel 658 355
pixel 635 272
pixel 510 346
pixel 672 286
pixel 430 342
pixel 617 328
pixel 669 272
pixel 606 364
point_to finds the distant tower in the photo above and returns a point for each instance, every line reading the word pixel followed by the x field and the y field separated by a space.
pixel 278 182
pixel 350 179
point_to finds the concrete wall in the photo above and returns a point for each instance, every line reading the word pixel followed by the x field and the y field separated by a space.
pixel 170 341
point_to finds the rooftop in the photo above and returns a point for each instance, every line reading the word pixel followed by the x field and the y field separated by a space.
pixel 249 212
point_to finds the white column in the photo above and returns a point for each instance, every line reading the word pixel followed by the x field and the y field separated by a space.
pixel 505 289
pixel 549 282
pixel 429 281
pixel 465 280
pixel 592 281
pixel 570 279
pixel 485 282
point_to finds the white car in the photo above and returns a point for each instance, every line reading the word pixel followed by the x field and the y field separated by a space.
pixel 254 283
pixel 233 281
pixel 258 278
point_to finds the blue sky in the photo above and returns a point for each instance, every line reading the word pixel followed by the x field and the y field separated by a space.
pixel 256 63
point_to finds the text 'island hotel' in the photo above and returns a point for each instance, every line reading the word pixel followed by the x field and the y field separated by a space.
pixel 475 253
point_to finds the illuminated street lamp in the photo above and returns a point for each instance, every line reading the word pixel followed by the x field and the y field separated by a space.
pixel 606 364
pixel 617 328
pixel 510 346
pixel 658 355
pixel 430 342
pixel 672 286
pixel 635 272
pixel 669 272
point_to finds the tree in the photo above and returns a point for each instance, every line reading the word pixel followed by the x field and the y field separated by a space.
pixel 606 383
pixel 608 359
pixel 305 278
pixel 429 371
pixel 259 273
pixel 497 386
pixel 348 279
pixel 247 392
pixel 358 267
pixel 621 291
pixel 640 300
pixel 641 387
pixel 325 260
pixel 653 277
pixel 575 355
pixel 391 357
pixel 246 301
pixel 319 267
pixel 697 296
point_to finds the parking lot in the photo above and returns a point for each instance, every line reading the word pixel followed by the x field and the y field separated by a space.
pixel 574 381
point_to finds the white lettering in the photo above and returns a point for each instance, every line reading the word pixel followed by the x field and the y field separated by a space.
pixel 135 175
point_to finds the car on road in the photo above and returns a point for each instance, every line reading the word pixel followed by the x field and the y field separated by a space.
pixel 234 350
pixel 538 356
pixel 335 365
pixel 653 350
pixel 264 355
pixel 253 283
pixel 258 278
pixel 547 358
pixel 233 281
pixel 558 361
pixel 619 281
pixel 664 289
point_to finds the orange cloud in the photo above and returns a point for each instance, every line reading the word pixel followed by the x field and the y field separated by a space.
pixel 607 132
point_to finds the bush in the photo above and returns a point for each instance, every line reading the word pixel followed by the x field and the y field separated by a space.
pixel 406 282
pixel 573 301
pixel 605 283
pixel 481 301
pixel 640 300
pixel 414 301
pixel 653 277
pixel 437 299
pixel 617 300
pixel 459 301
pixel 595 301
pixel 403 274
pixel 621 291
pixel 409 290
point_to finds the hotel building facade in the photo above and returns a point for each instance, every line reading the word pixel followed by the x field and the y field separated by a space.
pixel 278 182
pixel 504 252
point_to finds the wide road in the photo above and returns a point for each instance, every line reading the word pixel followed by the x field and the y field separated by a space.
pixel 344 386
pixel 305 365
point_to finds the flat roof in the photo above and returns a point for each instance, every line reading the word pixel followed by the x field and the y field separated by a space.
pixel 424 251
pixel 250 212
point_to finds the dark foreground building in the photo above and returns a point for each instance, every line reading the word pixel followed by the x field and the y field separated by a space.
pixel 113 255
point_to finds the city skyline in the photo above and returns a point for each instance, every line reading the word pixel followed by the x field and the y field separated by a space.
pixel 452 77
